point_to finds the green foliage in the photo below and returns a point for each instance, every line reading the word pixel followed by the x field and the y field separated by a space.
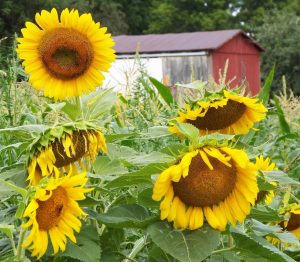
pixel 189 246
pixel 279 34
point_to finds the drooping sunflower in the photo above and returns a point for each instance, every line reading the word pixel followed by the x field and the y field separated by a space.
pixel 64 152
pixel 219 184
pixel 65 57
pixel 265 165
pixel 54 212
pixel 229 114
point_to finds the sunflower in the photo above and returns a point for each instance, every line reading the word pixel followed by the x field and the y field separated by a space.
pixel 216 183
pixel 231 114
pixel 64 57
pixel 291 225
pixel 54 211
pixel 265 165
pixel 64 152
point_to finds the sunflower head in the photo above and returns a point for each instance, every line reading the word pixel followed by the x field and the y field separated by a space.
pixel 265 164
pixel 65 56
pixel 63 152
pixel 226 114
pixel 53 212
pixel 293 223
pixel 216 183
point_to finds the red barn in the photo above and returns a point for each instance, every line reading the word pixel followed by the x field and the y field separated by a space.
pixel 184 57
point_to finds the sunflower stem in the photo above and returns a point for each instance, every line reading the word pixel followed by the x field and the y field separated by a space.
pixel 20 248
pixel 138 246
pixel 230 241
pixel 79 105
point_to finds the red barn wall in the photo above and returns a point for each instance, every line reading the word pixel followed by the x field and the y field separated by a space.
pixel 243 64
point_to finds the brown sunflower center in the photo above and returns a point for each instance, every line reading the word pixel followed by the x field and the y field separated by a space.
pixel 66 53
pixel 261 196
pixel 294 222
pixel 49 211
pixel 80 142
pixel 205 187
pixel 221 117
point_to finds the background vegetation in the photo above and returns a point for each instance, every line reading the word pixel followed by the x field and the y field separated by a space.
pixel 274 24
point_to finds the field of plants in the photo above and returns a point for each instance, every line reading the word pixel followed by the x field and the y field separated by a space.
pixel 89 174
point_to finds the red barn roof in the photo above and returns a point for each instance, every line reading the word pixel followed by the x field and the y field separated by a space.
pixel 177 42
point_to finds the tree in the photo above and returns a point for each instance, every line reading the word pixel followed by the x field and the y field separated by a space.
pixel 190 15
pixel 279 35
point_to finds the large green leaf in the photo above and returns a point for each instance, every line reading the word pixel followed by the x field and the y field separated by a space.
pixel 280 177
pixel 131 157
pixel 145 198
pixel 98 104
pixel 130 215
pixel 265 92
pixel 254 248
pixel 186 246
pixel 163 90
pixel 265 214
pixel 103 166
pixel 189 131
pixel 111 241
pixel 87 248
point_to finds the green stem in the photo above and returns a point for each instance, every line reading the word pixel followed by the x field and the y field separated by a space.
pixel 138 246
pixel 222 250
pixel 20 249
pixel 13 245
pixel 79 105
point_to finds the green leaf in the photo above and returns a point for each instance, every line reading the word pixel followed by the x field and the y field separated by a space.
pixel 153 157
pixel 280 177
pixel 98 104
pixel 130 215
pixel 24 132
pixel 87 248
pixel 263 185
pixel 110 242
pixel 156 254
pixel 7 230
pixel 22 191
pixel 139 178
pixel 255 248
pixel 116 137
pixel 265 92
pixel 73 111
pixel 285 128
pixel 155 132
pixel 57 131
pixel 103 166
pixel 6 191
pixel 128 180
pixel 191 246
pixel 163 90
pixel 286 237
pixel 89 202
pixel 145 199
pixel 189 131
pixel 265 214
pixel 20 210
